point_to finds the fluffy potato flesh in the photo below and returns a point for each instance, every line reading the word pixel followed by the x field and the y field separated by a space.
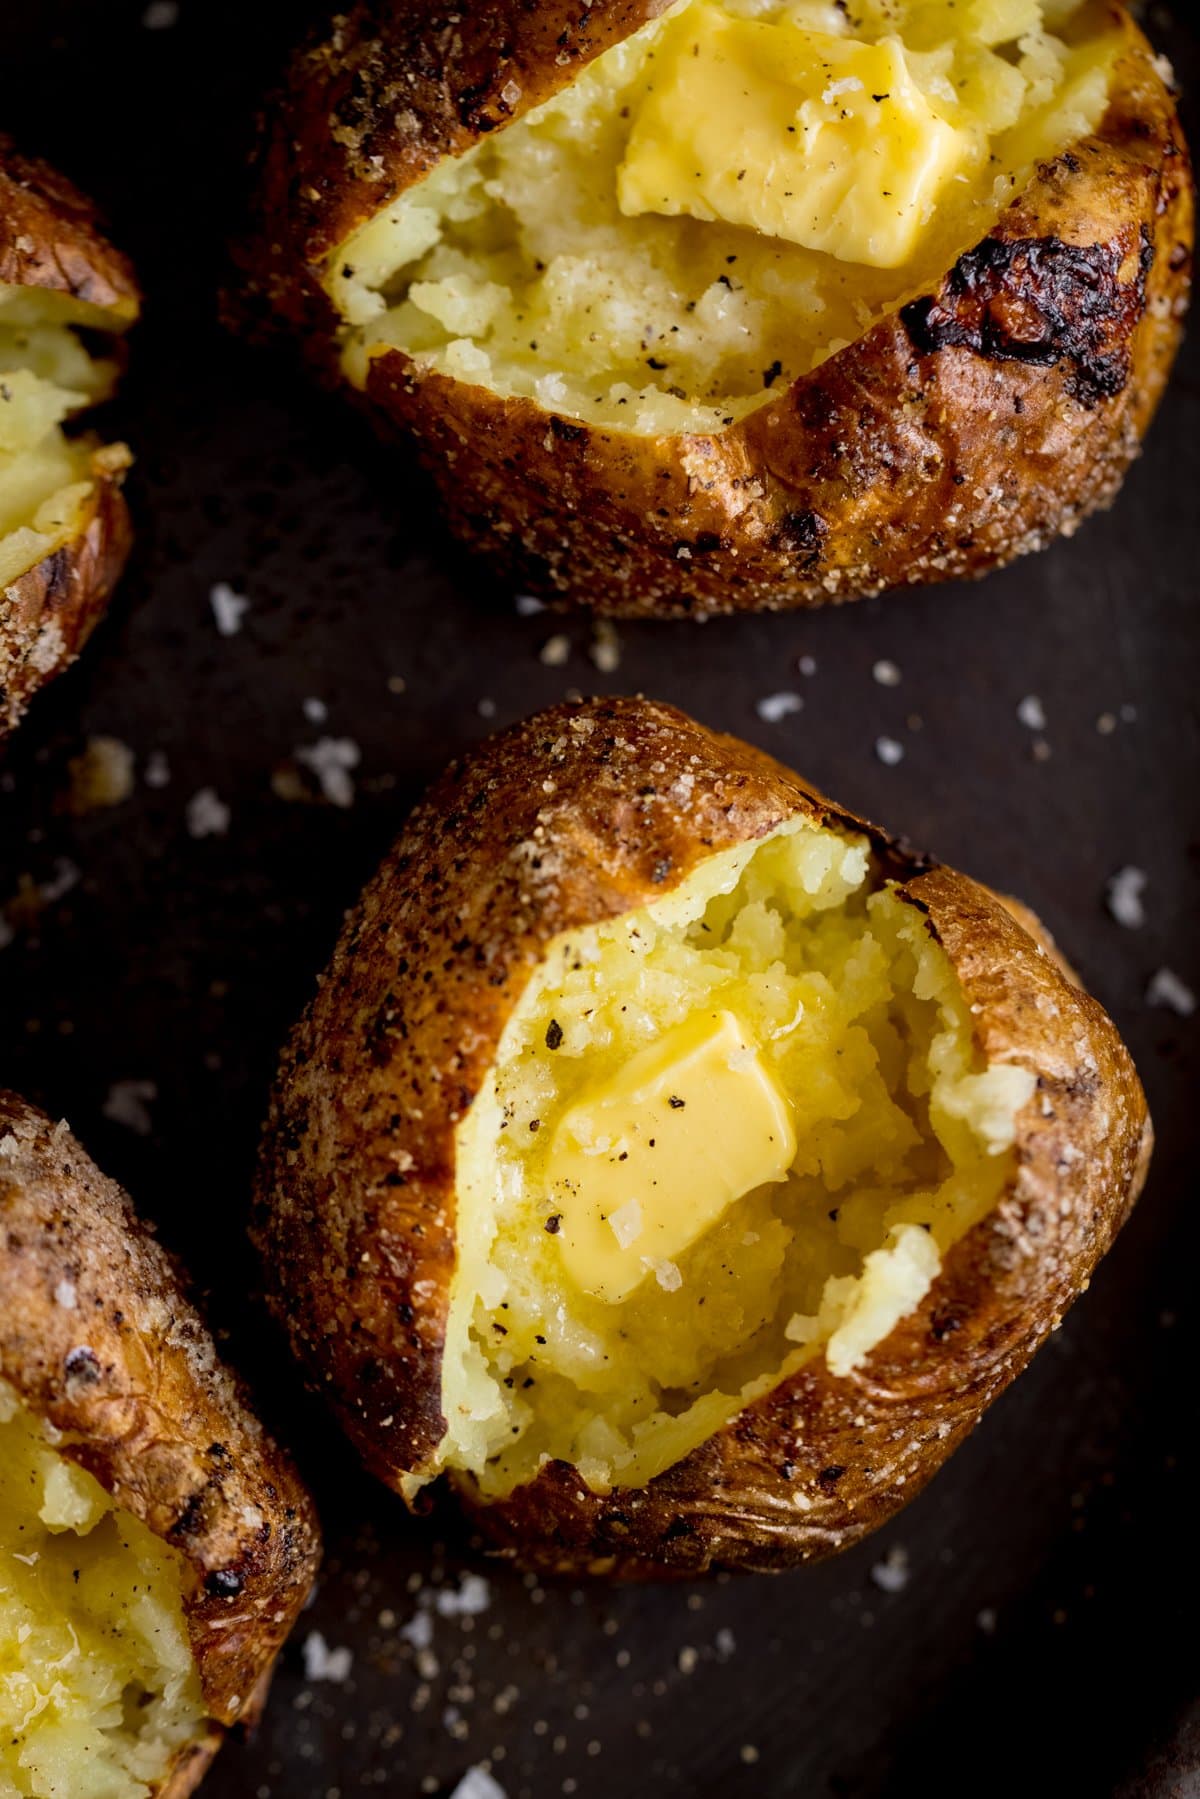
pixel 48 374
pixel 723 1135
pixel 98 1685
pixel 720 202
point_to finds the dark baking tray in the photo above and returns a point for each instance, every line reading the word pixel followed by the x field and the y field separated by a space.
pixel 1042 1638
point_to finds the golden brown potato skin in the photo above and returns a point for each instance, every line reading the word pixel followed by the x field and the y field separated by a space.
pixel 50 238
pixel 974 425
pixel 585 813
pixel 131 1375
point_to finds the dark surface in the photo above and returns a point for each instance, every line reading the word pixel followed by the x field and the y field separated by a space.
pixel 1045 1640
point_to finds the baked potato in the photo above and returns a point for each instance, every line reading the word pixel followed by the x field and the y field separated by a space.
pixel 675 1162
pixel 66 299
pixel 156 1544
pixel 735 304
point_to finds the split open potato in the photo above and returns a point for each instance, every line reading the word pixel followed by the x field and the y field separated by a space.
pixel 156 1545
pixel 730 304
pixel 676 1163
pixel 66 299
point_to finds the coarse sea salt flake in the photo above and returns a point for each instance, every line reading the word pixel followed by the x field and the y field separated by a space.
pixel 773 708
pixel 626 1222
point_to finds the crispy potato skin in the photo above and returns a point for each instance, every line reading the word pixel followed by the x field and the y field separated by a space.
pixel 131 1376
pixel 51 238
pixel 974 425
pixel 581 814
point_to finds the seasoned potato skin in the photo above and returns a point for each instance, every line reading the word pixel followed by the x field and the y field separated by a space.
pixel 580 814
pixel 51 238
pixel 132 1377
pixel 978 423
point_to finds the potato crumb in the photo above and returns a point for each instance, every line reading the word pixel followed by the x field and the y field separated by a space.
pixel 101 775
pixel 605 648
pixel 556 650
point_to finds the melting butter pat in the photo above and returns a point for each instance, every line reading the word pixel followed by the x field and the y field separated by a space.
pixel 641 1166
pixel 797 134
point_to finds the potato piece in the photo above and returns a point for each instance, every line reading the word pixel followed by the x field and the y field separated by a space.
pixel 712 308
pixel 158 1546
pixel 66 299
pixel 602 918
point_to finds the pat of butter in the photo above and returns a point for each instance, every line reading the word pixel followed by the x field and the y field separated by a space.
pixel 642 1165
pixel 797 134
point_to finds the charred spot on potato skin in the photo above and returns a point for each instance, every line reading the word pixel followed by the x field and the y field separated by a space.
pixel 801 534
pixel 82 1366
pixel 1041 302
pixel 565 432
pixel 829 1477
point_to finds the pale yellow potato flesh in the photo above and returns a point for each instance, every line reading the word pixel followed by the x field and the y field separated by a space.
pixel 98 1685
pixel 610 259
pixel 899 1139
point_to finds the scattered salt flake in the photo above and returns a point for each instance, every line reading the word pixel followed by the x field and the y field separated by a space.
pixel 323 1663
pixel 725 1643
pixel 1166 989
pixel 101 775
pixel 1123 897
pixel 807 665
pixel 472 1596
pixel 418 1631
pixel 626 1222
pixel 158 769
pixel 331 759
pixel 65 1296
pixel 689 1659
pixel 773 708
pixel 129 1102
pixel 1129 714
pixel 477 1783
pixel 207 814
pixel 66 875
pixel 665 1273
pixel 889 751
pixel 315 710
pixel 556 650
pixel 886 673
pixel 849 84
pixel 986 1620
pixel 486 707
pixel 527 606
pixel 605 648
pixel 891 1575
pixel 1032 713
pixel 161 15
pixel 229 608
